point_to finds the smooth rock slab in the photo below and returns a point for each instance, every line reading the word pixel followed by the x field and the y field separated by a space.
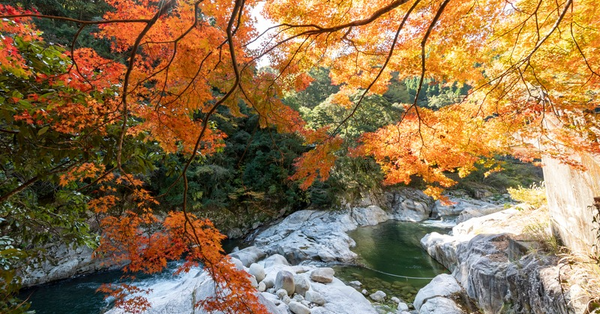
pixel 322 275
pixel 249 255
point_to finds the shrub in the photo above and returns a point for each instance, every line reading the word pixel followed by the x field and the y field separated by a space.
pixel 535 195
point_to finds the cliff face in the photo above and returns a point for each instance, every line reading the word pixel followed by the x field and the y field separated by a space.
pixel 571 195
pixel 496 259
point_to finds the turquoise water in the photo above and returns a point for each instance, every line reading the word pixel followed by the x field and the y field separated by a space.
pixel 392 259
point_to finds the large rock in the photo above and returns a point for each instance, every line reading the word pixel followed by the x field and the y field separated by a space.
pixel 318 235
pixel 463 204
pixel 483 262
pixel 258 271
pixel 535 287
pixel 298 308
pixel 443 285
pixel 179 294
pixel 571 194
pixel 440 306
pixel 341 299
pixel 409 204
pixel 322 275
pixel 249 255
pixel 309 235
pixel 62 262
pixel 302 284
pixel 442 248
pixel 497 269
pixel 275 259
pixel 314 297
pixel 322 235
pixel 476 212
pixel 285 280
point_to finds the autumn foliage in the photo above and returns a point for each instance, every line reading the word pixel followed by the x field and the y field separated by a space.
pixel 532 66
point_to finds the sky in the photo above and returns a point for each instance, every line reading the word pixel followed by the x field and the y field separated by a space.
pixel 261 25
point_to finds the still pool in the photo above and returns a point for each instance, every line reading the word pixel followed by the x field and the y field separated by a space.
pixel 391 259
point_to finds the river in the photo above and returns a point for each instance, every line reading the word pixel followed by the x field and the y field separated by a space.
pixel 392 258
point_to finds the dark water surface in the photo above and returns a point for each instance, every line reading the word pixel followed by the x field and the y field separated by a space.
pixel 75 295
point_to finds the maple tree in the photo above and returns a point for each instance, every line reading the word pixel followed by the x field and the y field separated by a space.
pixel 508 51
pixel 531 64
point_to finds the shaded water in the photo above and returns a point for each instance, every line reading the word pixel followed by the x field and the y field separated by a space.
pixel 392 259
pixel 76 295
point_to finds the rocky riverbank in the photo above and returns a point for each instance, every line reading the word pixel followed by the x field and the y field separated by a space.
pixel 279 262
pixel 288 259
pixel 505 264
pixel 62 262
pixel 282 288
pixel 304 235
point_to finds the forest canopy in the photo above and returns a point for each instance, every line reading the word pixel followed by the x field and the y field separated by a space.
pixel 112 93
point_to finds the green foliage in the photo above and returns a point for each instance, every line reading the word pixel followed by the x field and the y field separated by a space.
pixel 315 93
pixel 513 174
pixel 353 176
pixel 433 94
pixel 62 32
pixel 374 112
pixel 245 182
pixel 35 209
pixel 9 287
